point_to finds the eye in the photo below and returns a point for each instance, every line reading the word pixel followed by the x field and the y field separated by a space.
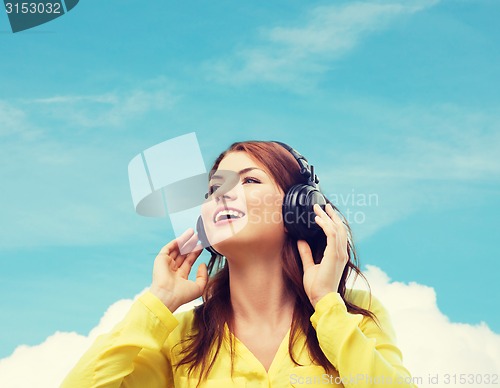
pixel 250 180
pixel 213 188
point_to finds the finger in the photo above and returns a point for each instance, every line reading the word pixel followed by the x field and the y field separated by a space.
pixel 198 247
pixel 189 245
pixel 188 262
pixel 184 237
pixel 336 234
pixel 172 248
pixel 330 211
pixel 333 214
pixel 338 220
pixel 342 248
pixel 190 252
pixel 327 214
pixel 321 213
pixel 326 224
pixel 163 260
pixel 168 248
pixel 332 223
pixel 202 276
pixel 318 209
pixel 332 238
pixel 305 254
pixel 172 264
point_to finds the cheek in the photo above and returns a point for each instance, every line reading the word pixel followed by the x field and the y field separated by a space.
pixel 207 211
pixel 276 203
pixel 264 200
pixel 265 208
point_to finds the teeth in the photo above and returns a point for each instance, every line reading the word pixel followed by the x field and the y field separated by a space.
pixel 224 213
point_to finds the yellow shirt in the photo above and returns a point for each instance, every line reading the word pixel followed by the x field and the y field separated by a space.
pixel 139 352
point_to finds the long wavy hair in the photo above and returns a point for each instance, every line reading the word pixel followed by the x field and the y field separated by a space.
pixel 216 310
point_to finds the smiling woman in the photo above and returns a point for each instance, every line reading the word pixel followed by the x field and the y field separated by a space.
pixel 276 310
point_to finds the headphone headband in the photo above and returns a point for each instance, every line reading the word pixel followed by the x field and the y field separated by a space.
pixel 305 170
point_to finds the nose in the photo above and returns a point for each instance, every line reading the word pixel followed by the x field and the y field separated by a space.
pixel 226 193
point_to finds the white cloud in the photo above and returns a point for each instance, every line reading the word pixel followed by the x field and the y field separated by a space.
pixel 430 343
pixel 57 193
pixel 10 118
pixel 107 98
pixel 60 188
pixel 286 54
pixel 49 362
pixel 110 109
pixel 114 108
pixel 14 122
pixel 433 142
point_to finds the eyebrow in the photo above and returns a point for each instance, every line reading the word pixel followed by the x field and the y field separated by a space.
pixel 244 171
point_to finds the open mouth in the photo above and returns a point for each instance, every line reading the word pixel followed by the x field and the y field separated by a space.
pixel 228 214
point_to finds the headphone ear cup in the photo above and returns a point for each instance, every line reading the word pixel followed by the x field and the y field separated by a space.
pixel 200 230
pixel 298 212
pixel 202 236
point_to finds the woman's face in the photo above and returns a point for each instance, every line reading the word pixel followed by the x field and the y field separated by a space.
pixel 250 211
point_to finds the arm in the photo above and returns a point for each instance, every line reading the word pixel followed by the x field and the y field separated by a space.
pixel 130 355
pixel 361 351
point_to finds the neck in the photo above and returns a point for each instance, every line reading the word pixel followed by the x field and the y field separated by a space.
pixel 259 297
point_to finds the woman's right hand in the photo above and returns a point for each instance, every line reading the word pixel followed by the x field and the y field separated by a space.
pixel 171 270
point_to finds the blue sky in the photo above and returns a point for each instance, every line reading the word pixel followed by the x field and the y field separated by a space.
pixel 394 99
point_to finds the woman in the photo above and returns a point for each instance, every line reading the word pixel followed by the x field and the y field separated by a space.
pixel 276 313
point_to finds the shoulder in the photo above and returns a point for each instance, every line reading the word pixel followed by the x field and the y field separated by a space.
pixel 185 316
pixel 363 299
pixel 185 319
pixel 178 339
pixel 370 302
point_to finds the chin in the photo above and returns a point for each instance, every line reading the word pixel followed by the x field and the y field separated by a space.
pixel 247 240
pixel 218 236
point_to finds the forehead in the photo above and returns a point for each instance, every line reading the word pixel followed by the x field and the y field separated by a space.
pixel 238 160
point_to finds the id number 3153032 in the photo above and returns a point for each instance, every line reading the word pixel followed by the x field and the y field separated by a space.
pixel 33 8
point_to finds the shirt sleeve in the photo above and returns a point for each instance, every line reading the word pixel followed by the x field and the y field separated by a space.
pixel 130 355
pixel 364 354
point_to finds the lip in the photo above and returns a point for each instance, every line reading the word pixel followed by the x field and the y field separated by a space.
pixel 223 222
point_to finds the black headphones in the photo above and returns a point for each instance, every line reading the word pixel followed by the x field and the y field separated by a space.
pixel 297 210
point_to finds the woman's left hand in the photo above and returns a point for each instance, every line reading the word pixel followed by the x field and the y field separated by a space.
pixel 321 279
